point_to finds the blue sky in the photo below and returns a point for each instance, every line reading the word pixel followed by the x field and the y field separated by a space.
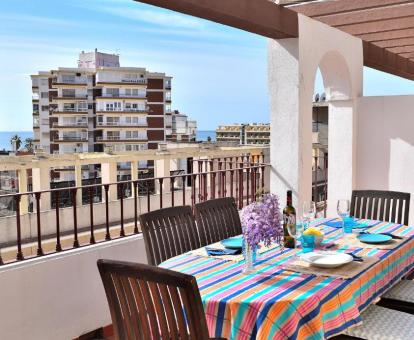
pixel 219 72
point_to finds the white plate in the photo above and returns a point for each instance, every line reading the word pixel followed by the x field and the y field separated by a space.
pixel 327 259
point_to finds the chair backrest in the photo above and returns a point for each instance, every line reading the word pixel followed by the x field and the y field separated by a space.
pixel 168 232
pixel 148 302
pixel 217 219
pixel 389 206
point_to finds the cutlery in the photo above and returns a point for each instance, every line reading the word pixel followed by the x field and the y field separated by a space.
pixel 388 234
pixel 356 257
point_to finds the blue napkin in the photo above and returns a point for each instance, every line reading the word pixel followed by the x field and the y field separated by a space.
pixel 220 252
pixel 338 224
pixel 333 224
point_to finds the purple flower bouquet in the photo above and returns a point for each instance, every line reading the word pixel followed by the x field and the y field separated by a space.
pixel 261 222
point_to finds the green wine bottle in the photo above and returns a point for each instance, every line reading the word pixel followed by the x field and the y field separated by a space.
pixel 289 218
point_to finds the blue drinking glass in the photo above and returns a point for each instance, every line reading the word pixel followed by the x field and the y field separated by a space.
pixel 348 224
pixel 308 243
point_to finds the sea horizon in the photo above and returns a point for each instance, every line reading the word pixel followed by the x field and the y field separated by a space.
pixel 5 137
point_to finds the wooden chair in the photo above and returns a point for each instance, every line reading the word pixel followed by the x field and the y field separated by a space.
pixel 217 219
pixel 168 232
pixel 148 302
pixel 390 206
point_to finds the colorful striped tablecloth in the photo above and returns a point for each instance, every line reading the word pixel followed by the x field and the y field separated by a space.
pixel 277 304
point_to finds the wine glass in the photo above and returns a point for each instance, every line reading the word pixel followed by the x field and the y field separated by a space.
pixel 296 230
pixel 309 211
pixel 343 208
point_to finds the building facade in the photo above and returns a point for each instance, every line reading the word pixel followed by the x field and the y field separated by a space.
pixel 99 106
pixel 244 134
pixel 178 128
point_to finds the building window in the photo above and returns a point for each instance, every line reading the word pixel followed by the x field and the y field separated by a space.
pixel 115 106
pixel 82 106
pixel 68 78
pixel 68 92
pixel 112 92
pixel 168 108
pixel 44 94
pixel 44 82
pixel 45 107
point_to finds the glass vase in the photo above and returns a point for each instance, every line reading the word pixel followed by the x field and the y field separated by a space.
pixel 249 254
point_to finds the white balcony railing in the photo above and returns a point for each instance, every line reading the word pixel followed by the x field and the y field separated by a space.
pixel 71 124
pixel 105 109
pixel 117 138
pixel 123 123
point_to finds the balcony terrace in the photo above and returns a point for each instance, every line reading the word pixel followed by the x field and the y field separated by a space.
pixel 121 111
pixel 70 98
pixel 51 241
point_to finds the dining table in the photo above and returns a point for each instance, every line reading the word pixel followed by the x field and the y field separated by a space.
pixel 277 302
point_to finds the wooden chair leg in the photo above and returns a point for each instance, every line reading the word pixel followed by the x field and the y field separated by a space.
pixel 401 306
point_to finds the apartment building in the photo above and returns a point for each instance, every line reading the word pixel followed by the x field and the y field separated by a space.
pixel 99 106
pixel 178 128
pixel 244 134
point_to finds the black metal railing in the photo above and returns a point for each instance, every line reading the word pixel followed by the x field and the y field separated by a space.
pixel 241 177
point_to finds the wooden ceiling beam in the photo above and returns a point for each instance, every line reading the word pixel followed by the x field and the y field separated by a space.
pixel 396 42
pixel 386 61
pixel 370 15
pixel 409 55
pixel 265 18
pixel 378 26
pixel 403 49
pixel 259 16
pixel 340 6
pixel 388 35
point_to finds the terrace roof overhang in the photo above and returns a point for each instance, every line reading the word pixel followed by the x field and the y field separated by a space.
pixel 386 27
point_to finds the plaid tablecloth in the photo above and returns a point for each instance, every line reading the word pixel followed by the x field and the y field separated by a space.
pixel 277 304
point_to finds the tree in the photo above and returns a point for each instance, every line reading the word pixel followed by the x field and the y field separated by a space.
pixel 16 139
pixel 28 144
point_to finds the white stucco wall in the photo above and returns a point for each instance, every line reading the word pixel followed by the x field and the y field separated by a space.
pixel 60 297
pixel 292 69
pixel 385 149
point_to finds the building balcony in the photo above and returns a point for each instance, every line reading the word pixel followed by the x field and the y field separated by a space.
pixel 141 110
pixel 77 97
pixel 123 82
pixel 70 112
pixel 65 125
pixel 71 139
pixel 69 84
pixel 120 139
pixel 122 96
pixel 121 125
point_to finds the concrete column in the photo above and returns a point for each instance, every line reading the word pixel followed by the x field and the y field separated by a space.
pixel 41 181
pixel 78 183
pixel 22 179
pixel 342 152
pixel 291 125
pixel 134 174
pixel 162 169
pixel 109 175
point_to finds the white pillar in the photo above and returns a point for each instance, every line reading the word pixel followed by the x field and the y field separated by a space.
pixel 109 175
pixel 342 152
pixel 78 183
pixel 162 169
pixel 291 124
pixel 24 202
pixel 134 174
pixel 41 181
